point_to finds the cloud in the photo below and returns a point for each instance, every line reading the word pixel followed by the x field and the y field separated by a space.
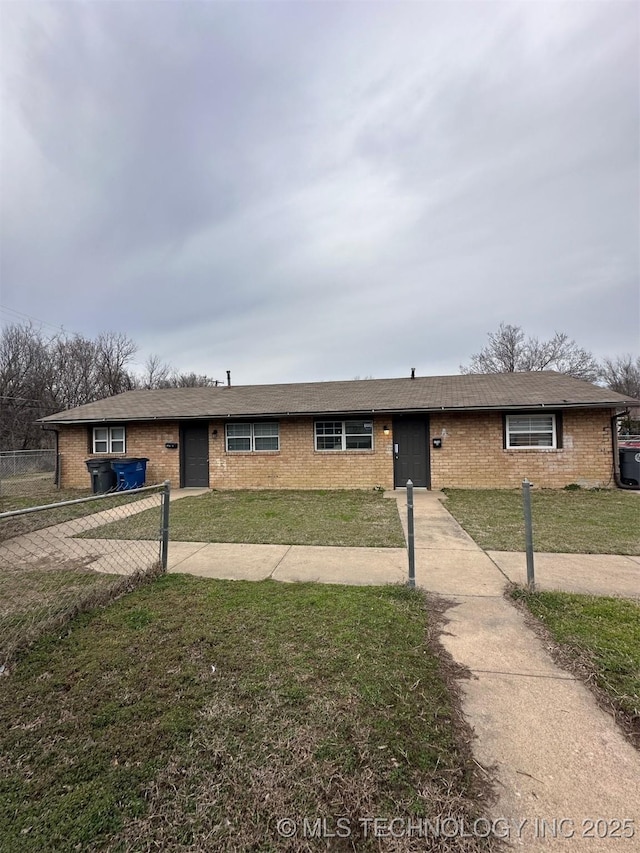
pixel 302 191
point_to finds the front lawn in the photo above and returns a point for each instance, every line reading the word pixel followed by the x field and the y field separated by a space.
pixel 347 518
pixel 599 637
pixel 19 525
pixel 194 715
pixel 575 522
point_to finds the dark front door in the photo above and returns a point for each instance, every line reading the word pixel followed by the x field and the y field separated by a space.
pixel 411 452
pixel 195 455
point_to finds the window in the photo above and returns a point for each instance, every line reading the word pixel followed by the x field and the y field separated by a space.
pixel 108 440
pixel 531 431
pixel 344 435
pixel 253 437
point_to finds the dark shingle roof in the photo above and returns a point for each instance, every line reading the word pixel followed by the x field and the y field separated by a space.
pixel 428 393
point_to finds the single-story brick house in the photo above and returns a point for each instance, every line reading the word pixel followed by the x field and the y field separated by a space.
pixel 467 430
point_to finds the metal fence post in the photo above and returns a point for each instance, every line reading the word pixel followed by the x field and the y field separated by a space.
pixel 528 532
pixel 164 546
pixel 411 535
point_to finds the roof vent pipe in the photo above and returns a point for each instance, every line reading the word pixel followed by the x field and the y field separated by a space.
pixel 413 373
pixel 228 379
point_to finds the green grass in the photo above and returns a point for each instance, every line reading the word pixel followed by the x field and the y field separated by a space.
pixel 352 518
pixel 325 701
pixel 575 522
pixel 22 524
pixel 600 637
pixel 39 597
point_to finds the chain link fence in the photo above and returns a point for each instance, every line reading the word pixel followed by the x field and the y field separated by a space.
pixel 628 440
pixel 59 559
pixel 27 472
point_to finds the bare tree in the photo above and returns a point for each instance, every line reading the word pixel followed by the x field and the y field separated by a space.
pixel 192 380
pixel 114 352
pixel 505 352
pixel 622 374
pixel 156 373
pixel 25 378
pixel 40 376
pixel 159 374
pixel 75 379
pixel 509 351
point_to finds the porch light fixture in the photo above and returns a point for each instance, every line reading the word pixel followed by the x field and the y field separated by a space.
pixel 385 429
pixel 215 433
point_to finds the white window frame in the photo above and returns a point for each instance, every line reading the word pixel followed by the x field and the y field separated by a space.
pixel 343 435
pixel 532 416
pixel 275 433
pixel 109 440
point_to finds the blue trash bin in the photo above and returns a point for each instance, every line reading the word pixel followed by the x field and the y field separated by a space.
pixel 131 473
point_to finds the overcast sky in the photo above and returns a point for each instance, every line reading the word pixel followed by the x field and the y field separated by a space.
pixel 309 191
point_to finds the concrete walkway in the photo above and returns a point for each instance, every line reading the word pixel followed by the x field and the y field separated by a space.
pixel 555 753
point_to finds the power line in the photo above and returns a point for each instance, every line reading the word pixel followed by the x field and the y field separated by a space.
pixel 21 315
pixel 21 399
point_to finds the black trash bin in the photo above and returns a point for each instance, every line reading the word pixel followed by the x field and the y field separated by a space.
pixel 103 477
pixel 630 466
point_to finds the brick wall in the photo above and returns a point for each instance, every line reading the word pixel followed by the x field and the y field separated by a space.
pixel 298 466
pixel 472 453
pixel 146 440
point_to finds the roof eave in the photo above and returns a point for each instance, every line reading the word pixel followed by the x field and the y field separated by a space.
pixel 607 404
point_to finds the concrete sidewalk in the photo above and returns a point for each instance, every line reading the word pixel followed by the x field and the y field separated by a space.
pixel 291 563
pixel 455 552
pixel 592 574
pixel 555 753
